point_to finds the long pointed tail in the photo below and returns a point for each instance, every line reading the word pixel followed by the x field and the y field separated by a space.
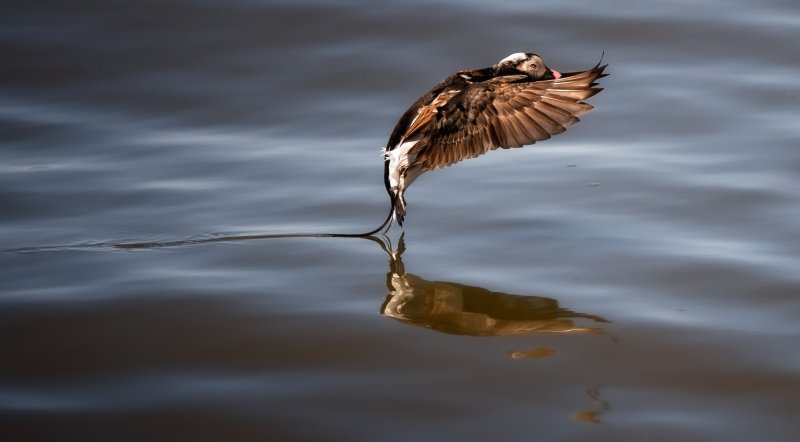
pixel 185 242
pixel 386 223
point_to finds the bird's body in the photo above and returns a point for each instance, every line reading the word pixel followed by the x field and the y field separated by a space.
pixel 516 102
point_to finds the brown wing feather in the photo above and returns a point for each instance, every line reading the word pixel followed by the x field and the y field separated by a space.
pixel 427 113
pixel 503 112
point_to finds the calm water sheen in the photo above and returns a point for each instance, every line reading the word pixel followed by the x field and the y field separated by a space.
pixel 634 279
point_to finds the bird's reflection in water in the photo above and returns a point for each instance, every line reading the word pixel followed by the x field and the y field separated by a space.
pixel 462 309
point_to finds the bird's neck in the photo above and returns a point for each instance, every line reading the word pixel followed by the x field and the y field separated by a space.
pixel 498 71
pixel 485 73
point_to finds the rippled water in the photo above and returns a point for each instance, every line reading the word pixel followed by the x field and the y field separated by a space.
pixel 635 278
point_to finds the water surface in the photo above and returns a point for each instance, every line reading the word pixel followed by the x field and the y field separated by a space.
pixel 632 279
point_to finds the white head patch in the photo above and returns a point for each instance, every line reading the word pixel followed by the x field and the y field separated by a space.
pixel 514 58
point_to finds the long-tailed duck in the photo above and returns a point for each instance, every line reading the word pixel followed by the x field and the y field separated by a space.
pixel 516 102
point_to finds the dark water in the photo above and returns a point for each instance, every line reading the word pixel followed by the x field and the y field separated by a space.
pixel 637 278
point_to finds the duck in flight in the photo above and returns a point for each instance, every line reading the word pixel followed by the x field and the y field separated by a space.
pixel 516 102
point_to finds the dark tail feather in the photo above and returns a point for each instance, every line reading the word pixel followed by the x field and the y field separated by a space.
pixel 186 242
pixel 396 211
pixel 386 222
pixel 151 245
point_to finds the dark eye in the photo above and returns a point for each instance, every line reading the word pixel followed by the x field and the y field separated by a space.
pixel 533 65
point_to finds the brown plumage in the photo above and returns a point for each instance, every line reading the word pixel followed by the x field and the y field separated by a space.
pixel 503 112
pixel 516 102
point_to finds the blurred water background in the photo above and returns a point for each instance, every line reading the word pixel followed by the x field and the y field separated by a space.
pixel 636 278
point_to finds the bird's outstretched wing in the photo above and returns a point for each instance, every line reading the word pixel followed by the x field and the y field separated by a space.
pixel 505 112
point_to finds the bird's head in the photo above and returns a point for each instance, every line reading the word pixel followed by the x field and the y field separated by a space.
pixel 526 63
